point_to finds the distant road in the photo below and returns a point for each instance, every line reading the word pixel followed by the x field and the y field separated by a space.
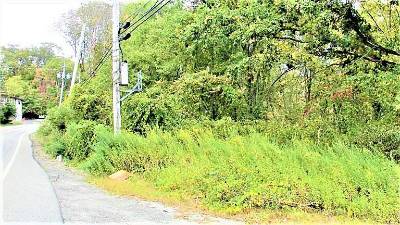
pixel 9 136
pixel 28 196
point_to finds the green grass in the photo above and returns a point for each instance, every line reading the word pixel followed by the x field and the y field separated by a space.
pixel 246 174
pixel 138 187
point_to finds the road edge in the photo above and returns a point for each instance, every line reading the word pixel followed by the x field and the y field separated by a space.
pixel 35 147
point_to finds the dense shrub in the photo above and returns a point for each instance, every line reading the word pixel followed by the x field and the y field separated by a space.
pixel 78 140
pixel 59 117
pixel 92 102
pixel 207 95
pixel 6 112
pixel 167 105
pixel 54 144
pixel 128 151
pixel 250 172
pixel 154 108
pixel 380 138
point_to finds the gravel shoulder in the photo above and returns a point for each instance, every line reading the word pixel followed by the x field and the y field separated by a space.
pixel 83 203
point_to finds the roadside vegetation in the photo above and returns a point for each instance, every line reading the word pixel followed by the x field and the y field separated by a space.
pixel 6 111
pixel 31 74
pixel 241 172
pixel 250 105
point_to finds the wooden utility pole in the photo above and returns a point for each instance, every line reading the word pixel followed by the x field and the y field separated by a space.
pixel 116 64
pixel 63 77
pixel 77 58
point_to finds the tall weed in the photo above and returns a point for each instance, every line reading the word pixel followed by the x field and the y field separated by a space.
pixel 247 172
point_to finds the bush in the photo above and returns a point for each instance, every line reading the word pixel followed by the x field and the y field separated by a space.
pixel 54 144
pixel 380 138
pixel 98 162
pixel 251 173
pixel 6 112
pixel 127 151
pixel 207 95
pixel 246 172
pixel 92 102
pixel 154 108
pixel 59 117
pixel 78 140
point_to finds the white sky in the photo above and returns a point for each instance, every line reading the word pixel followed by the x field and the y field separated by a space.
pixel 30 22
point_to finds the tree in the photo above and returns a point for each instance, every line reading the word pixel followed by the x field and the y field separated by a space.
pixel 313 63
pixel 97 18
pixel 31 74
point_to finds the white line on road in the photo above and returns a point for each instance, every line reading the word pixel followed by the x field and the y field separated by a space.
pixel 7 170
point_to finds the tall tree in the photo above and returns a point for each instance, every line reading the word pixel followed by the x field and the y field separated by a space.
pixel 97 18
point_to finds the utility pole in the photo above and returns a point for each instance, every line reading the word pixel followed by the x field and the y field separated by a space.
pixel 63 77
pixel 116 64
pixel 77 58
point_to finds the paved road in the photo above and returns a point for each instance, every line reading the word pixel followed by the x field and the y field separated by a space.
pixel 83 203
pixel 28 196
pixel 9 145
pixel 55 194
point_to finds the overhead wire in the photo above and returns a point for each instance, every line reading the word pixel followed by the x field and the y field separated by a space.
pixel 136 12
pixel 108 51
pixel 151 11
pixel 106 54
pixel 138 23
pixel 155 5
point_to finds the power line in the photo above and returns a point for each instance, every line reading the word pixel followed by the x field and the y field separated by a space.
pixel 107 53
pixel 135 26
pixel 156 4
pixel 136 13
pixel 102 59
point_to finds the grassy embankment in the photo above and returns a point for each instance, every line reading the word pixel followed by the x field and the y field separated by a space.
pixel 244 175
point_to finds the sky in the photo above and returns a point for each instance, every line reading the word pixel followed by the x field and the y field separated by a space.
pixel 28 23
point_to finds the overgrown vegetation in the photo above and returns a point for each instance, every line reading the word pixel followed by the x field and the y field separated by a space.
pixel 6 111
pixel 31 74
pixel 252 105
pixel 243 172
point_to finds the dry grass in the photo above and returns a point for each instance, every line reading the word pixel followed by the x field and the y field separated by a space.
pixel 138 187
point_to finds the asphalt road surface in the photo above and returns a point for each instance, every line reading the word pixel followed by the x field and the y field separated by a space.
pixel 40 190
pixel 28 196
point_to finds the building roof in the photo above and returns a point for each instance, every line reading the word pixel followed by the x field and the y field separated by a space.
pixel 8 96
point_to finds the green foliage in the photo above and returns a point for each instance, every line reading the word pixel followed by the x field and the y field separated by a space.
pixel 380 138
pixel 58 119
pixel 78 139
pixel 166 105
pixel 154 108
pixel 31 74
pixel 250 172
pixel 6 112
pixel 209 96
pixel 252 105
pixel 92 102
pixel 33 102
pixel 97 163
pixel 127 152
pixel 245 172
pixel 54 144
pixel 155 48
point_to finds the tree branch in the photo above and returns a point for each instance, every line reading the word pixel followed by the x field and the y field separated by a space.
pixel 291 39
pixel 281 75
